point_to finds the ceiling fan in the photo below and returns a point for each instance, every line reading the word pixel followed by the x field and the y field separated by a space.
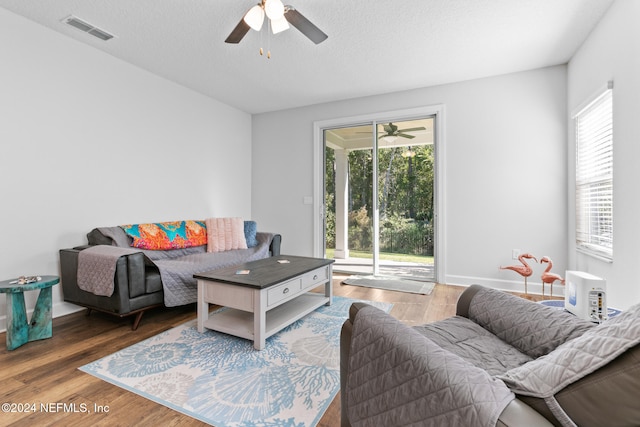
pixel 280 16
pixel 393 131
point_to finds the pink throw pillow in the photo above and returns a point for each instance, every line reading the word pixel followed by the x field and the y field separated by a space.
pixel 225 234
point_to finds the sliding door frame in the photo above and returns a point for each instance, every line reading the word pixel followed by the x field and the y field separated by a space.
pixel 437 111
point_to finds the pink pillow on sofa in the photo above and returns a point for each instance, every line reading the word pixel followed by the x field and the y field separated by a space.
pixel 225 234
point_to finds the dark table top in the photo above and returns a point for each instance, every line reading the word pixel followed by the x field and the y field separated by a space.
pixel 265 272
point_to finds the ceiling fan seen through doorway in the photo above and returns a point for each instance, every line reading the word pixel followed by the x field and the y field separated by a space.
pixel 391 132
pixel 279 16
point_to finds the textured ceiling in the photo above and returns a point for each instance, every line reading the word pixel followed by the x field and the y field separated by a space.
pixel 374 46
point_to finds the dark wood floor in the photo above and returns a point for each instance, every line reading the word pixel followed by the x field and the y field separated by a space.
pixel 45 372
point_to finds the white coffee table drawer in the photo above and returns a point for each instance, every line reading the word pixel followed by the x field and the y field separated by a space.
pixel 315 277
pixel 280 292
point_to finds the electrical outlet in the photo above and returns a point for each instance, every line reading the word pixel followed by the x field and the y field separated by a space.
pixel 515 253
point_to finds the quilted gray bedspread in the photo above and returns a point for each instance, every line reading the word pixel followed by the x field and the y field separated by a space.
pixel 397 376
pixel 181 288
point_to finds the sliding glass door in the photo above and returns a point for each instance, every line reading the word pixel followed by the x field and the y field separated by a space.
pixel 349 174
pixel 379 198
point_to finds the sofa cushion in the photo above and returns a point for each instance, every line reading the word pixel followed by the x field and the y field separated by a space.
pixel 153 282
pixel 225 234
pixel 616 385
pixel 474 344
pixel 167 235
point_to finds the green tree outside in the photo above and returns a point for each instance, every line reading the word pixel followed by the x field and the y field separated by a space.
pixel 405 199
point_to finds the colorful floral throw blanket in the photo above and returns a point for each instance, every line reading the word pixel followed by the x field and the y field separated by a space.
pixel 167 235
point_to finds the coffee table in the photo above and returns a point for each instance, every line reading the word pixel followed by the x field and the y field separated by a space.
pixel 262 297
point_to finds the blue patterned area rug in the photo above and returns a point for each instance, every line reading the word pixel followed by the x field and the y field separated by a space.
pixel 221 380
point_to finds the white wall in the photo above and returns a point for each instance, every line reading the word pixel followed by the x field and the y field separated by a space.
pixel 87 140
pixel 612 52
pixel 505 172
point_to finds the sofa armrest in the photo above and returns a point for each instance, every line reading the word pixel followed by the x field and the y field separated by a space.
pixel 464 301
pixel 276 242
pixel 345 347
pixel 129 282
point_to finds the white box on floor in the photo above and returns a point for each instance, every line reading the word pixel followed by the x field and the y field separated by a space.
pixel 586 296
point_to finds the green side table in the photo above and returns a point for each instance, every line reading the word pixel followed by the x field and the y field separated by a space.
pixel 19 330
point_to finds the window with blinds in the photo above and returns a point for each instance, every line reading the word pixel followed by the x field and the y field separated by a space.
pixel 594 176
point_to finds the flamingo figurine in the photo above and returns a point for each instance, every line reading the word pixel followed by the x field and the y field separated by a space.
pixel 547 276
pixel 524 270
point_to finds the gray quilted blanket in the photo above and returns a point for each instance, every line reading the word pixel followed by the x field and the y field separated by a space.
pixel 474 344
pixel 97 268
pixel 534 329
pixel 397 376
pixel 571 361
pixel 181 288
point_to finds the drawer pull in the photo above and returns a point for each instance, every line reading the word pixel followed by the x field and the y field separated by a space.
pixel 285 291
pixel 315 277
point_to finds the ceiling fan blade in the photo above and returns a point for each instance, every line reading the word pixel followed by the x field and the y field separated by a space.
pixel 404 135
pixel 238 32
pixel 412 129
pixel 303 25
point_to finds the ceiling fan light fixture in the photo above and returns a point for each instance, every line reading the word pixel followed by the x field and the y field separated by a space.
pixel 274 9
pixel 280 17
pixel 255 17
pixel 279 25
pixel 389 138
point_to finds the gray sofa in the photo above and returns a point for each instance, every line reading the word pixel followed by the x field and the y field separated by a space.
pixel 145 279
pixel 501 361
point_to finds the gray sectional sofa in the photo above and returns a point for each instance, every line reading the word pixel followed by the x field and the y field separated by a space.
pixel 501 361
pixel 144 279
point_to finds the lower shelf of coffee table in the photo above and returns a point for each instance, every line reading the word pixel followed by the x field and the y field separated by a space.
pixel 241 323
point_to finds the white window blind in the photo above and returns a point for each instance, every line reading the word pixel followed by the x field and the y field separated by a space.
pixel 594 176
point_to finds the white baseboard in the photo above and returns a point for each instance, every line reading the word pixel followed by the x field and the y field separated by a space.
pixel 59 309
pixel 62 308
pixel 506 285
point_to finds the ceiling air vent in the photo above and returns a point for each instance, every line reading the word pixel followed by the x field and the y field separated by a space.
pixel 87 28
